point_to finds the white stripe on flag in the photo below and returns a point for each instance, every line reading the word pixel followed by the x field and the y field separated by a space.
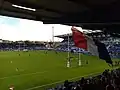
pixel 91 47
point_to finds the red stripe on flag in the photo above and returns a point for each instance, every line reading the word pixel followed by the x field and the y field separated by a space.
pixel 79 38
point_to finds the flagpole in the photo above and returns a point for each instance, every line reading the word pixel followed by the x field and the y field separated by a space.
pixel 68 59
pixel 53 36
pixel 79 58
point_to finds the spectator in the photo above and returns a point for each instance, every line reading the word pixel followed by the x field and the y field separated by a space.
pixel 110 87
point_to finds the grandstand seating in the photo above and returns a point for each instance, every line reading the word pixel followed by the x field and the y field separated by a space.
pixel 21 46
pixel 112 44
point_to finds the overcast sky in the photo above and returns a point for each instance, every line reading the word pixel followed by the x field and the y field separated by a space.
pixel 21 29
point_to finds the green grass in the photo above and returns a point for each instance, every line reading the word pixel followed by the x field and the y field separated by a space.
pixel 42 70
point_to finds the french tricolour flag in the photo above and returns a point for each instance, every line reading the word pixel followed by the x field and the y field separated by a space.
pixel 93 46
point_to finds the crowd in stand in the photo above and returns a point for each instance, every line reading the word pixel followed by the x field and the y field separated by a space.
pixel 21 46
pixel 114 50
pixel 108 80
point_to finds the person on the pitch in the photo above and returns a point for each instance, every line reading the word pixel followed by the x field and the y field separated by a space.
pixel 86 61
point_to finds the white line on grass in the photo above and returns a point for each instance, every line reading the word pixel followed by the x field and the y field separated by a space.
pixel 23 75
pixel 60 81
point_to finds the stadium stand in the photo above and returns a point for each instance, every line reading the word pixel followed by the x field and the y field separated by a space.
pixel 112 44
pixel 21 45
pixel 108 80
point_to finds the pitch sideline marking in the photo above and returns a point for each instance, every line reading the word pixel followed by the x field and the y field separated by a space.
pixel 60 81
pixel 23 75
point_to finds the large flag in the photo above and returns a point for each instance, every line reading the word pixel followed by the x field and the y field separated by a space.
pixel 93 46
